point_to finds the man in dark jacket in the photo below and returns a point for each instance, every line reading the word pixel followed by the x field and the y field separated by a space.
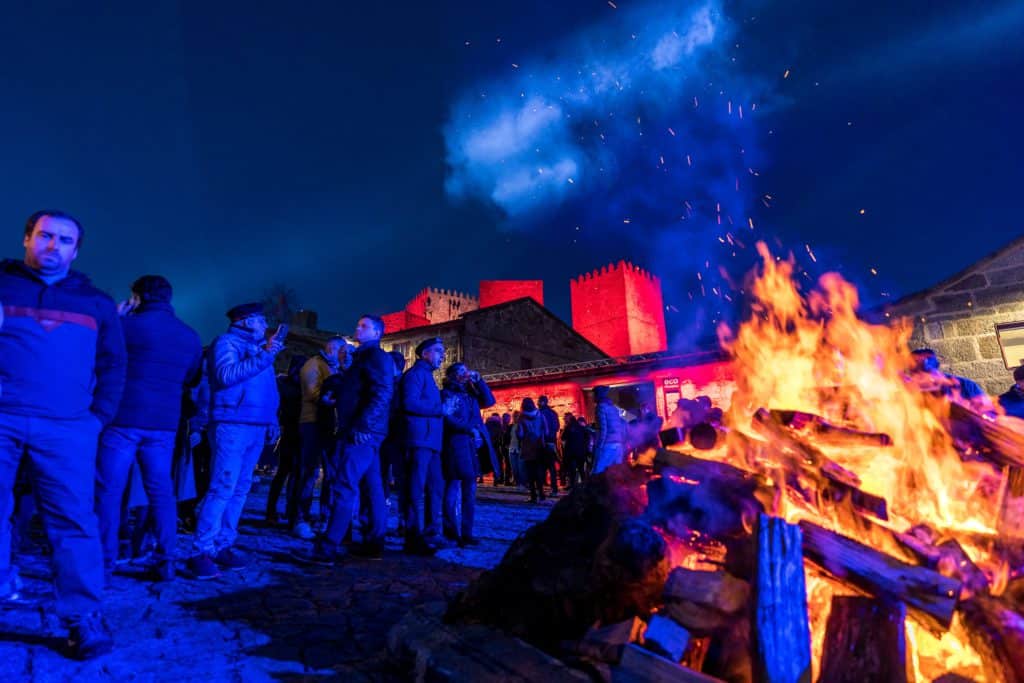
pixel 465 394
pixel 550 445
pixel 424 426
pixel 243 419
pixel 1013 400
pixel 164 357
pixel 362 409
pixel 62 361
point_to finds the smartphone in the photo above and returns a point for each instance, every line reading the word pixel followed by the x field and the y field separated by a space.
pixel 282 331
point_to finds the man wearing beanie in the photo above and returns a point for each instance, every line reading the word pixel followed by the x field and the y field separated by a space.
pixel 424 427
pixel 164 357
pixel 243 419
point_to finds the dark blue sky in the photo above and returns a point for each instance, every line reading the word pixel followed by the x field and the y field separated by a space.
pixel 230 146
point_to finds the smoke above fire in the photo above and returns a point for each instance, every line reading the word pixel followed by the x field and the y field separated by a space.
pixel 640 128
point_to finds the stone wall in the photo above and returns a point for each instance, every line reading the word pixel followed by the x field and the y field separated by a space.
pixel 957 317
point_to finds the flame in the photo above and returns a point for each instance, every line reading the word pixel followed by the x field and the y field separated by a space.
pixel 810 352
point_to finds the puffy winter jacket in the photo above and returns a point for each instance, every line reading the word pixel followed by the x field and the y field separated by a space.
pixel 611 428
pixel 421 405
pixel 243 387
pixel 462 430
pixel 61 348
pixel 164 357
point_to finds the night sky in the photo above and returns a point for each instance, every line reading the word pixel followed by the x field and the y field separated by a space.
pixel 356 152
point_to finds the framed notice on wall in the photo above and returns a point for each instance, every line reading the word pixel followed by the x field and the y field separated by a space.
pixel 1011 342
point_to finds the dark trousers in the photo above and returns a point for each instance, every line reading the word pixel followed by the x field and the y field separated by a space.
pixel 534 470
pixel 505 475
pixel 62 454
pixel 574 469
pixel 550 459
pixel 425 490
pixel 153 450
pixel 289 451
pixel 355 473
pixel 460 507
pixel 316 451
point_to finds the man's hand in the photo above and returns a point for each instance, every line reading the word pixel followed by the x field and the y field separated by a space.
pixel 328 398
pixel 360 438
pixel 274 345
pixel 125 307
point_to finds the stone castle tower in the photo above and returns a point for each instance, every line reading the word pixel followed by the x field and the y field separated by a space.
pixel 620 309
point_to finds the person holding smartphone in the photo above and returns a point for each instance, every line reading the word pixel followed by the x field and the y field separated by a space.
pixel 243 419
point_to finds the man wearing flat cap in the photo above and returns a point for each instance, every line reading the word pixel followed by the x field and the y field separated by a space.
pixel 424 426
pixel 243 419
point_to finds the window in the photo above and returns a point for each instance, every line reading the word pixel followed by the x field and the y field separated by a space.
pixel 402 347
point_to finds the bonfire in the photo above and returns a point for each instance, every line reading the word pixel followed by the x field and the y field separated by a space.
pixel 848 523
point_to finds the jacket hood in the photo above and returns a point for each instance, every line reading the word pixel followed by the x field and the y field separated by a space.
pixel 74 278
pixel 529 413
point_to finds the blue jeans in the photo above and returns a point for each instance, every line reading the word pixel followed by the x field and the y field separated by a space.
pixel 460 517
pixel 425 486
pixel 236 450
pixel 62 454
pixel 316 449
pixel 607 455
pixel 355 473
pixel 154 449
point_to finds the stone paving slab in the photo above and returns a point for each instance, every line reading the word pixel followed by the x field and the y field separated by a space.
pixel 275 620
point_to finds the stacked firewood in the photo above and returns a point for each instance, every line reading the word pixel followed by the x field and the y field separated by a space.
pixel 674 571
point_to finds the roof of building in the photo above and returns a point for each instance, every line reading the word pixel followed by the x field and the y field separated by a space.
pixel 605 366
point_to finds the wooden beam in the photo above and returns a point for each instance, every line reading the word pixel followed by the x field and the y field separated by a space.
pixel 782 636
pixel 865 640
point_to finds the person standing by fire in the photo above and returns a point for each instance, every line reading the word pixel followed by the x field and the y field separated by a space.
pixel 424 427
pixel 611 432
pixel 362 411
pixel 550 455
pixel 464 395
pixel 62 359
pixel 1012 400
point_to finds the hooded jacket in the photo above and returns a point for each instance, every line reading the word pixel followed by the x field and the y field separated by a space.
pixel 243 387
pixel 164 357
pixel 61 348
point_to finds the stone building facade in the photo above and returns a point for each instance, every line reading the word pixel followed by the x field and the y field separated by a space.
pixel 514 335
pixel 958 317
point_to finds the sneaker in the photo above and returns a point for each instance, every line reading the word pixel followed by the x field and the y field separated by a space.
pixel 90 637
pixel 203 567
pixel 229 559
pixel 304 531
pixel 319 556
pixel 368 551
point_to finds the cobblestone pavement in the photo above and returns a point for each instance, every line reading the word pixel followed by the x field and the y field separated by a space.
pixel 274 620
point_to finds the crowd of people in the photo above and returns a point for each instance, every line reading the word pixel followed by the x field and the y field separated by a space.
pixel 115 419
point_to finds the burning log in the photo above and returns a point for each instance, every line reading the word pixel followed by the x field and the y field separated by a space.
pixel 827 433
pixel 1011 507
pixel 832 483
pixel 865 640
pixel 947 557
pixel 999 439
pixel 641 666
pixel 996 630
pixel 929 594
pixel 782 642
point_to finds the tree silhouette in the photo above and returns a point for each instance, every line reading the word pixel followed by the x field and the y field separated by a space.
pixel 280 302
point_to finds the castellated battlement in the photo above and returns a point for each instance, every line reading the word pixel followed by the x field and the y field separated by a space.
pixel 620 308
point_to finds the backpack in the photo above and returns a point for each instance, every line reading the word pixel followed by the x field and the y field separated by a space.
pixel 531 444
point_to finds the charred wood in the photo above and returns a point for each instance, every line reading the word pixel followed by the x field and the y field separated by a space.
pixel 717 590
pixel 641 666
pixel 825 432
pixel 782 637
pixel 865 642
pixel 996 630
pixel 930 595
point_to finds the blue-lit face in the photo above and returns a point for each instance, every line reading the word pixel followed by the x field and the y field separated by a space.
pixel 366 331
pixel 52 246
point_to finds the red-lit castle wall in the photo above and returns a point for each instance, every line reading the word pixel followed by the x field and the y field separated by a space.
pixel 494 292
pixel 620 309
